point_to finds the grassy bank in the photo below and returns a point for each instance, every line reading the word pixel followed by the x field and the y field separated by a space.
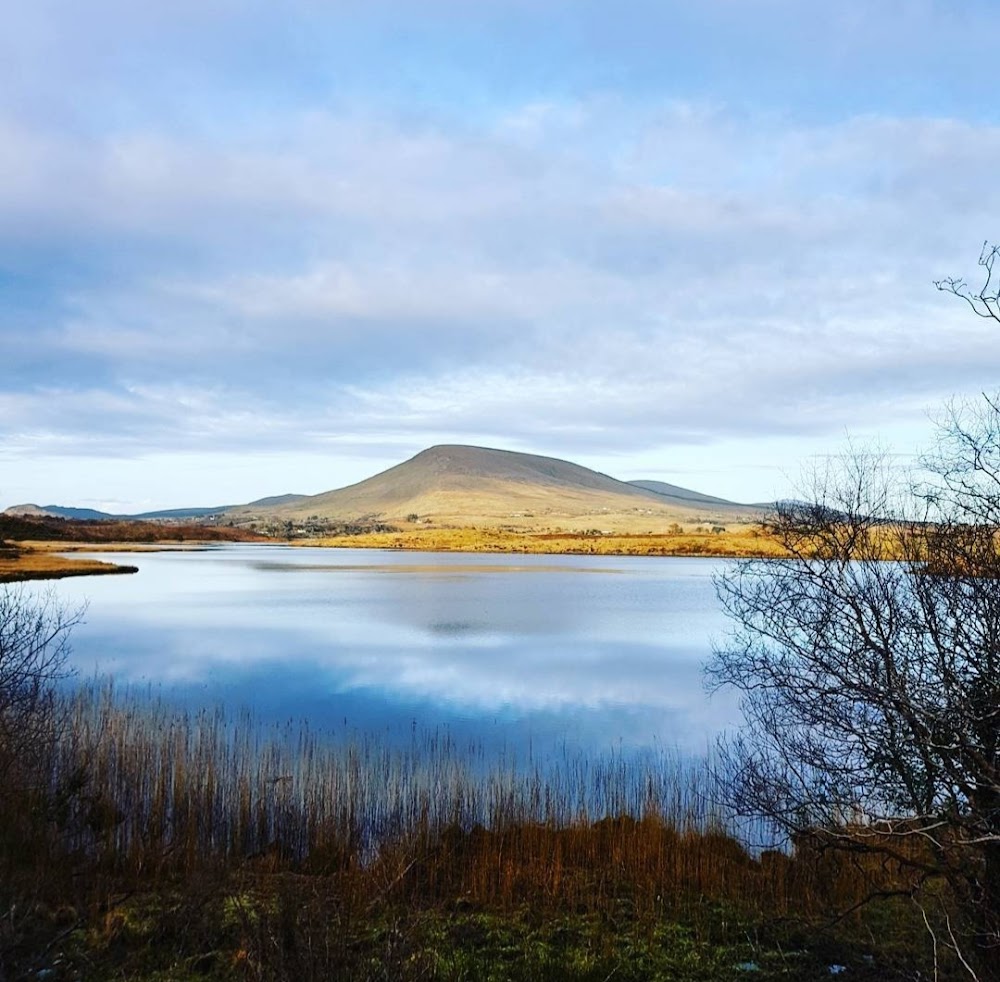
pixel 33 548
pixel 142 843
pixel 744 542
pixel 41 534
pixel 19 564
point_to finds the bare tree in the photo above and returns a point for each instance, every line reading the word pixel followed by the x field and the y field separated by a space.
pixel 34 639
pixel 869 665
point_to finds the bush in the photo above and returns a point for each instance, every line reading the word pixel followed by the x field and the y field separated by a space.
pixel 34 646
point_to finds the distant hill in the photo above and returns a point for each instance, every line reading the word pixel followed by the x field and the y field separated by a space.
pixel 92 515
pixel 56 511
pixel 168 514
pixel 463 485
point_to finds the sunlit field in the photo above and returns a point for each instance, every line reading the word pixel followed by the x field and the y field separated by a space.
pixel 746 541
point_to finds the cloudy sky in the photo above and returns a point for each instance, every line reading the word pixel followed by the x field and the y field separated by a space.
pixel 249 248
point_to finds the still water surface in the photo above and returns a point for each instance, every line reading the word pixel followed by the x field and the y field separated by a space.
pixel 598 651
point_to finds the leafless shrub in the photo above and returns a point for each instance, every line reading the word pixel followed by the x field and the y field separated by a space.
pixel 34 639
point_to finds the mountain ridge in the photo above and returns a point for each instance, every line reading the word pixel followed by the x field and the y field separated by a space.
pixel 684 494
pixel 462 484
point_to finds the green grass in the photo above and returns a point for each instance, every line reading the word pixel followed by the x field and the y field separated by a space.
pixel 288 929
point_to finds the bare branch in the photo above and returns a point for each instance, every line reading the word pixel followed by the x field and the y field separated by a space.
pixel 984 302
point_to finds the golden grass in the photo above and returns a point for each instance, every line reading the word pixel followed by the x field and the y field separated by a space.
pixel 29 564
pixel 747 541
pixel 180 545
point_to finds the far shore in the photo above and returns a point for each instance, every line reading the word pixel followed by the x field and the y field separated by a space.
pixel 50 560
pixel 745 543
pixel 28 564
pixel 186 545
pixel 38 548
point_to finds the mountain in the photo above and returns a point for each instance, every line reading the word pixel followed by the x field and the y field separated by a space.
pixel 92 515
pixel 682 494
pixel 464 485
pixel 56 511
pixel 168 514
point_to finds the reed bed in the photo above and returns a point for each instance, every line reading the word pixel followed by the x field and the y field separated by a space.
pixel 145 791
pixel 208 785
pixel 304 851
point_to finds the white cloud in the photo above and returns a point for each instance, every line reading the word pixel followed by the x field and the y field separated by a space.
pixel 588 275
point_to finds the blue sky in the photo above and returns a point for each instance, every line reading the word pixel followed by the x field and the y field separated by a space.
pixel 250 248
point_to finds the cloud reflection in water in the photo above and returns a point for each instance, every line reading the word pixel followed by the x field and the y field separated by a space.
pixel 486 647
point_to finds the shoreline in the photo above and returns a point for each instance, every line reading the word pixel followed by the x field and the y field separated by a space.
pixel 51 546
pixel 49 559
pixel 752 543
pixel 25 565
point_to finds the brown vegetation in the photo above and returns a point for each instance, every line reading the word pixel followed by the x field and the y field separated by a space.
pixel 274 854
pixel 48 529
pixel 31 547
pixel 741 542
pixel 19 564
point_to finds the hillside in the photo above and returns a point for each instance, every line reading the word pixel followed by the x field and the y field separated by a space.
pixel 464 485
pixel 676 493
pixel 273 501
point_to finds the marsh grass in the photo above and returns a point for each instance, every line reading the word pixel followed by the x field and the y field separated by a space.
pixel 205 785
pixel 20 564
pixel 155 836
pixel 741 541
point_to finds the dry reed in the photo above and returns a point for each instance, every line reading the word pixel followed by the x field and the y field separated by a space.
pixel 148 794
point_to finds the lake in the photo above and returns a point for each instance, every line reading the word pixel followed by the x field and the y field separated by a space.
pixel 596 652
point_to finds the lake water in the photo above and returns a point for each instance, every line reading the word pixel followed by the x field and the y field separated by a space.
pixel 597 652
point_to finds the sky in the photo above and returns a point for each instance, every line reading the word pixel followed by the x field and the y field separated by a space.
pixel 252 248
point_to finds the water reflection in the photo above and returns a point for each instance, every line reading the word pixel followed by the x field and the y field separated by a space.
pixel 496 650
